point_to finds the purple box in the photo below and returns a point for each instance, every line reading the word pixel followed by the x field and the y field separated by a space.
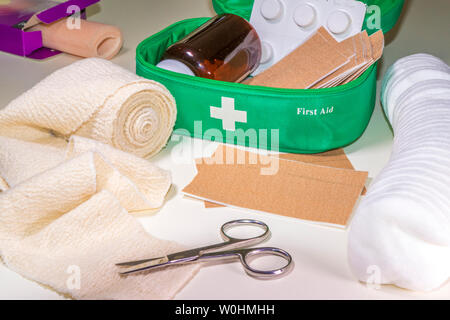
pixel 18 15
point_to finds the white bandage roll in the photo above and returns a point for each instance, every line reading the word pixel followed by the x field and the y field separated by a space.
pixel 97 99
pixel 402 226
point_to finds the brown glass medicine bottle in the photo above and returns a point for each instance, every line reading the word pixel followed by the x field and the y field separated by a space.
pixel 226 48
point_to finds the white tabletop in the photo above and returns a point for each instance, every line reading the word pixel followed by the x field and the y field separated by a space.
pixel 321 268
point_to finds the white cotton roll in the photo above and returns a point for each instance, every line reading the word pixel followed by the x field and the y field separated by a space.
pixel 403 67
pixel 399 84
pixel 414 60
pixel 402 226
pixel 398 242
pixel 430 124
pixel 438 89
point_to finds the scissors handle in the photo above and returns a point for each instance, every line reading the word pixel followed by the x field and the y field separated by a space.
pixel 250 254
pixel 232 242
pixel 246 257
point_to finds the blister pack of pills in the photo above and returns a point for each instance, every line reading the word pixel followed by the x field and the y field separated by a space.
pixel 283 25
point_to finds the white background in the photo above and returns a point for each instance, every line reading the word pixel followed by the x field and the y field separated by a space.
pixel 321 269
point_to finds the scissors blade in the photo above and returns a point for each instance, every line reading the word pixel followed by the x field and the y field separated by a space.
pixel 175 258
pixel 137 266
pixel 137 262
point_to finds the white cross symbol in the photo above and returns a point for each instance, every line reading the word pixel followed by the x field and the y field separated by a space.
pixel 228 114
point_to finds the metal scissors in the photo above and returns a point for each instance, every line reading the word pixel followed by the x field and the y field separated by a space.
pixel 230 248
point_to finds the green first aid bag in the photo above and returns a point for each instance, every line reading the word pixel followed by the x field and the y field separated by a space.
pixel 288 120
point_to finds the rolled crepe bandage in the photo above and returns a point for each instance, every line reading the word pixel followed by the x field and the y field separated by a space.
pixel 96 99
pixel 66 204
pixel 402 227
pixel 138 119
pixel 90 39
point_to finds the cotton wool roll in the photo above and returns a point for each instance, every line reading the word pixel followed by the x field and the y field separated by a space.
pixel 402 226
pixel 414 60
pixel 402 81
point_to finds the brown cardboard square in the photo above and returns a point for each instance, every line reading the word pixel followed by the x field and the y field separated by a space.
pixel 309 63
pixel 355 45
pixel 211 205
pixel 376 42
pixel 334 158
pixel 310 192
